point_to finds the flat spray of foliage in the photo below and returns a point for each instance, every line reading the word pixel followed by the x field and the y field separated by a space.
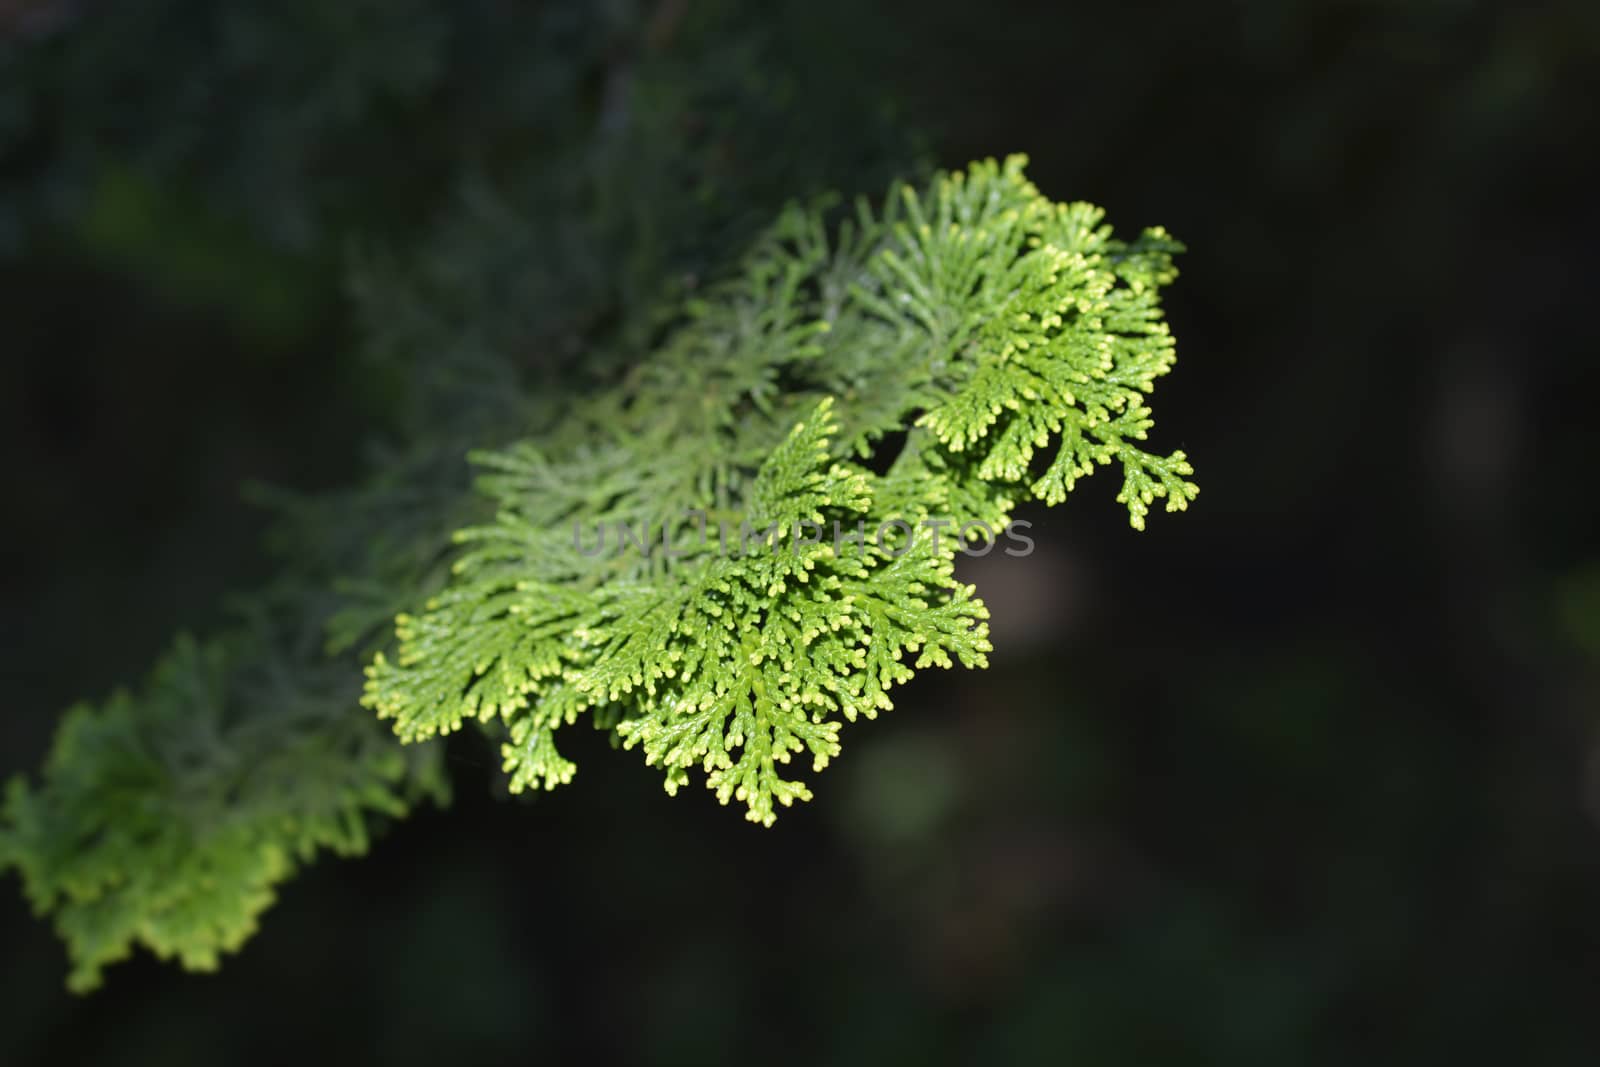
pixel 943 357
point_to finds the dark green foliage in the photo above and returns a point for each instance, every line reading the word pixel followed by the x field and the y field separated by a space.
pixel 589 210
pixel 167 817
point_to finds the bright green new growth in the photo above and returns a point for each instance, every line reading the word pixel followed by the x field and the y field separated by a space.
pixel 1013 337
pixel 963 349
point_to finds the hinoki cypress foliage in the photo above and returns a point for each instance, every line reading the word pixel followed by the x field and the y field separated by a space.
pixel 867 388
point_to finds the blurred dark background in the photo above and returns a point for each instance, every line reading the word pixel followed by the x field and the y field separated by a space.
pixel 1302 776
